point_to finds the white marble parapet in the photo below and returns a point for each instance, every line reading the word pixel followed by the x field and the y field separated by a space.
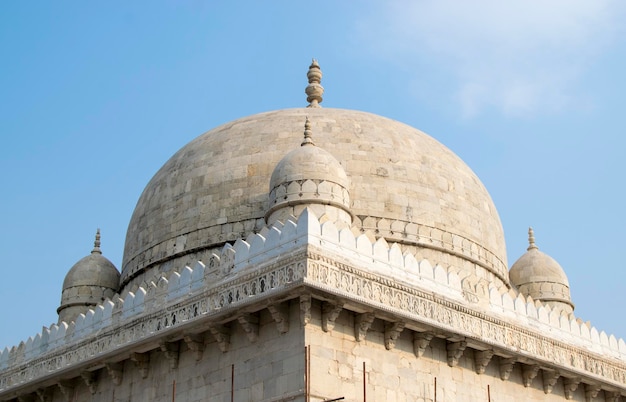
pixel 305 253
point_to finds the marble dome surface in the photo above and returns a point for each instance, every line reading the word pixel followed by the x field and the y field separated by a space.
pixel 404 186
pixel 540 276
pixel 92 279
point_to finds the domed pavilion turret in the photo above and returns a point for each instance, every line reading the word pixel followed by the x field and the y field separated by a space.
pixel 90 281
pixel 309 177
pixel 538 275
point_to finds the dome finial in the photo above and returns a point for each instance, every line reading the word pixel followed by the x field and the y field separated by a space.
pixel 308 139
pixel 96 243
pixel 531 239
pixel 314 90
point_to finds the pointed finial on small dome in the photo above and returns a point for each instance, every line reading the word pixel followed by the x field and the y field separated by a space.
pixel 308 139
pixel 314 90
pixel 531 239
pixel 96 243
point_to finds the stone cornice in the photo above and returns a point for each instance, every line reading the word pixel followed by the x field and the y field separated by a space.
pixel 287 260
pixel 452 317
pixel 211 306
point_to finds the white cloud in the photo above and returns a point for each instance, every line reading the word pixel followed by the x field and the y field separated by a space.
pixel 520 57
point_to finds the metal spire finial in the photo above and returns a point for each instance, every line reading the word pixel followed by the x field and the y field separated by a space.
pixel 96 243
pixel 314 90
pixel 308 139
pixel 531 239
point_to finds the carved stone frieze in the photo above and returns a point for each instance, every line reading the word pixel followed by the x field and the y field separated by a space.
pixel 362 323
pixel 333 275
pixel 404 301
pixel 421 340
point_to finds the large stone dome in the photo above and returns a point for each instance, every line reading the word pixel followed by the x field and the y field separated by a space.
pixel 404 186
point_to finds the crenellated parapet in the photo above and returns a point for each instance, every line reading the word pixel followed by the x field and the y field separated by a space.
pixel 431 237
pixel 554 321
pixel 310 256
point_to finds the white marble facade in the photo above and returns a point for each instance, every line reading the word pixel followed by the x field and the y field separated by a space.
pixel 372 268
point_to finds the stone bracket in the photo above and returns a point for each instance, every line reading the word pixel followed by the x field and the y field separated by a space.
pixel 570 385
pixel 550 377
pixel 280 314
pixel 392 332
pixel 89 377
pixel 330 312
pixel 362 323
pixel 481 360
pixel 612 396
pixel 195 343
pixel 506 367
pixel 171 350
pixel 221 333
pixel 529 372
pixel 591 391
pixel 305 309
pixel 142 362
pixel 421 340
pixel 455 351
pixel 67 389
pixel 44 394
pixel 116 371
pixel 250 324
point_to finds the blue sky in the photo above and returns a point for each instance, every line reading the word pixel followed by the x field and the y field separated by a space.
pixel 95 97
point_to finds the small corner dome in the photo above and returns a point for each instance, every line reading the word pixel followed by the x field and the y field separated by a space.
pixel 309 176
pixel 308 163
pixel 538 275
pixel 93 270
pixel 91 280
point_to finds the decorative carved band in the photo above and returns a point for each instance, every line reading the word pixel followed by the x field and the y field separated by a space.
pixel 244 289
pixel 343 281
pixel 346 281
